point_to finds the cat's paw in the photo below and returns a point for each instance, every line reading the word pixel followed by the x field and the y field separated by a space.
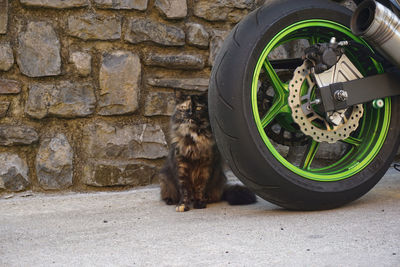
pixel 169 201
pixel 182 208
pixel 198 204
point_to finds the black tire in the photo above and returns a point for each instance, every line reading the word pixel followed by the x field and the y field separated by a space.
pixel 236 132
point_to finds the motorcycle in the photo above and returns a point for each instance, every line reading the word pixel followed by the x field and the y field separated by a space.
pixel 274 114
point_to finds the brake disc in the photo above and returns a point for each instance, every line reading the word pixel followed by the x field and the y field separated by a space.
pixel 310 121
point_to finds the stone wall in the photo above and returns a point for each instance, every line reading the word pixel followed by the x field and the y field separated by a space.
pixel 87 86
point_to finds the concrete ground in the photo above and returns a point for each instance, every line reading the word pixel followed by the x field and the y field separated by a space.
pixel 135 228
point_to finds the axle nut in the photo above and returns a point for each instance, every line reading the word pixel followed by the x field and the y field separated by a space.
pixel 341 95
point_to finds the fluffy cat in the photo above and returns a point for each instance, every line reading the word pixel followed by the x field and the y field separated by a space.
pixel 192 175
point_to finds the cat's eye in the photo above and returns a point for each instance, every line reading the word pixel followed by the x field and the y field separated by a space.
pixel 199 108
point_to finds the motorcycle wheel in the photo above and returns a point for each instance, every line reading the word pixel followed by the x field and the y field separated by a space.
pixel 241 127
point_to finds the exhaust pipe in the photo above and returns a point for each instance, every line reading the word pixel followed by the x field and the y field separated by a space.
pixel 380 27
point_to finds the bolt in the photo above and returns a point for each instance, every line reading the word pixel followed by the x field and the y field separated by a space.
pixel 315 102
pixel 341 95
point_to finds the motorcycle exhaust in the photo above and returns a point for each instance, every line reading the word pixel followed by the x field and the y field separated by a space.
pixel 380 27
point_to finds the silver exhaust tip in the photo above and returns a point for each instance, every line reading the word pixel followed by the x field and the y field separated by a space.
pixel 363 17
pixel 380 27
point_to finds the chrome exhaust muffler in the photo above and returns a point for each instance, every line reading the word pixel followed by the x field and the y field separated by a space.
pixel 380 27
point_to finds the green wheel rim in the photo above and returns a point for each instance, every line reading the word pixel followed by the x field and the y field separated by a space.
pixel 365 143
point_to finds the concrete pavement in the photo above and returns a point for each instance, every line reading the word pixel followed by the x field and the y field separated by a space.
pixel 135 229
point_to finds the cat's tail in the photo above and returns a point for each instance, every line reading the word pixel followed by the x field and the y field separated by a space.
pixel 238 195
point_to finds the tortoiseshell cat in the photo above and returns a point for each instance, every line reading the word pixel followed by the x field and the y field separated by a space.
pixel 193 175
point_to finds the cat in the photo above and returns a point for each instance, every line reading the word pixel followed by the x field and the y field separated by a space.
pixel 193 173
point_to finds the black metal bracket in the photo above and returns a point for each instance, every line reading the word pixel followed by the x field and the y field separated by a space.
pixel 290 63
pixel 358 91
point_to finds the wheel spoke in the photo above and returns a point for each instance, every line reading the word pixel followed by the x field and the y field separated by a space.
pixel 310 155
pixel 352 141
pixel 280 89
pixel 276 108
pixel 277 84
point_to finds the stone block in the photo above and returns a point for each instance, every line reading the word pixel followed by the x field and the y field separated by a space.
pixel 122 4
pixel 55 3
pixel 6 57
pixel 217 39
pixel 13 172
pixel 196 35
pixel 349 4
pixel 38 51
pixel 9 87
pixel 295 49
pixel 241 4
pixel 54 167
pixel 211 11
pixel 281 52
pixel 91 27
pixel 118 173
pixel 3 16
pixel 120 76
pixel 175 61
pixel 4 106
pixel 11 135
pixel 197 84
pixel 219 10
pixel 160 103
pixel 82 62
pixel 65 99
pixel 237 15
pixel 142 30
pixel 112 153
pixel 172 9
pixel 330 151
pixel 107 141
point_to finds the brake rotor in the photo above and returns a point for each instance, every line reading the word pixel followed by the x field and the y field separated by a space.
pixel 309 120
